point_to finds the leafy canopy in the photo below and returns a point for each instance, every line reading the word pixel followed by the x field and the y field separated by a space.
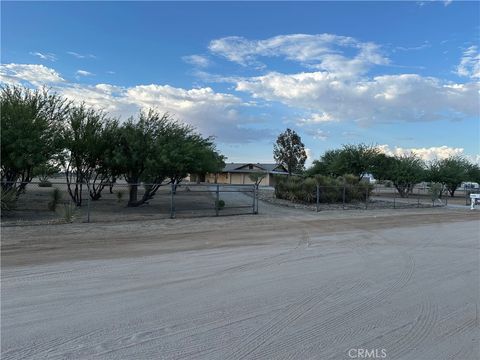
pixel 30 139
pixel 289 151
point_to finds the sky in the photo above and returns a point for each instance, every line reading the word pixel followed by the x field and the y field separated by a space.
pixel 403 76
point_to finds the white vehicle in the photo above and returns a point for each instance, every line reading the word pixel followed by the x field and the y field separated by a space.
pixel 469 185
pixel 474 200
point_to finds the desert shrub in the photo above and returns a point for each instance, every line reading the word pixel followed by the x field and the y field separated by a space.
pixel 69 212
pixel 435 191
pixel 220 204
pixel 45 183
pixel 304 190
pixel 8 200
pixel 119 195
pixel 55 197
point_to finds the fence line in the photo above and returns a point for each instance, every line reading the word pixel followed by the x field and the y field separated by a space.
pixel 205 199
pixel 169 201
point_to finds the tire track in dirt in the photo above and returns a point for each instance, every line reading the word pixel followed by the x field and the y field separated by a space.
pixel 282 321
pixel 44 348
pixel 145 337
pixel 341 318
pixel 421 328
pixel 362 252
pixel 263 263
pixel 398 344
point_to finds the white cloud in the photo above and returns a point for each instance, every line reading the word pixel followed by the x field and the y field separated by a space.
pixel 316 119
pixel 310 157
pixel 387 98
pixel 322 51
pixel 212 113
pixel 83 73
pixel 447 2
pixel 425 45
pixel 197 60
pixel 102 96
pixel 340 88
pixel 318 134
pixel 81 56
pixel 44 56
pixel 32 73
pixel 426 154
pixel 470 63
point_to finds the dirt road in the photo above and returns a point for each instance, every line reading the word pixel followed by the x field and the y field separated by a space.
pixel 290 285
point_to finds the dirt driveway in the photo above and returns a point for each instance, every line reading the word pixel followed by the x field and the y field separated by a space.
pixel 288 284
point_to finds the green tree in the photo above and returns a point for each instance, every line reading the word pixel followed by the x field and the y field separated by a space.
pixel 82 144
pixel 326 165
pixel 45 171
pixel 356 159
pixel 450 172
pixel 290 151
pixel 105 172
pixel 473 173
pixel 134 152
pixel 30 138
pixel 257 177
pixel 350 159
pixel 157 150
pixel 178 151
pixel 404 172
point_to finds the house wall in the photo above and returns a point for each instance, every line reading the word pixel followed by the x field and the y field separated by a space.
pixel 222 178
pixel 238 179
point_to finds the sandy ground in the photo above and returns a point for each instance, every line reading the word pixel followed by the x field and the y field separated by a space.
pixel 286 284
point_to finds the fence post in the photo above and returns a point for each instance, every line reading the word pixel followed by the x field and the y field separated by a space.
pixel 172 202
pixel 88 208
pixel 394 197
pixel 217 202
pixel 318 197
pixel 254 193
pixel 366 197
pixel 343 198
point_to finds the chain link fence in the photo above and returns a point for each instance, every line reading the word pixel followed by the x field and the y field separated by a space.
pixel 52 202
pixel 351 197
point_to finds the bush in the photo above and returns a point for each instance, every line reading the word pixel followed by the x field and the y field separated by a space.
pixel 56 197
pixel 435 191
pixel 69 212
pixel 120 195
pixel 8 200
pixel 220 204
pixel 296 189
pixel 45 183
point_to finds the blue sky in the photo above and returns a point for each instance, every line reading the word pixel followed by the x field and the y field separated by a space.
pixel 401 75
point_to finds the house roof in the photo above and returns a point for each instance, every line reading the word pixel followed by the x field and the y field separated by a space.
pixel 244 167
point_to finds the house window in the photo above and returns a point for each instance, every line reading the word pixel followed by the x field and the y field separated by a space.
pixel 250 167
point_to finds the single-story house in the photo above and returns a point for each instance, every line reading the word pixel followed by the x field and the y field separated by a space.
pixel 238 173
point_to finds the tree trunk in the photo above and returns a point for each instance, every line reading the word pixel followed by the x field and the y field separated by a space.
pixel 149 193
pixel 400 189
pixel 74 193
pixel 112 182
pixel 96 189
pixel 133 193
